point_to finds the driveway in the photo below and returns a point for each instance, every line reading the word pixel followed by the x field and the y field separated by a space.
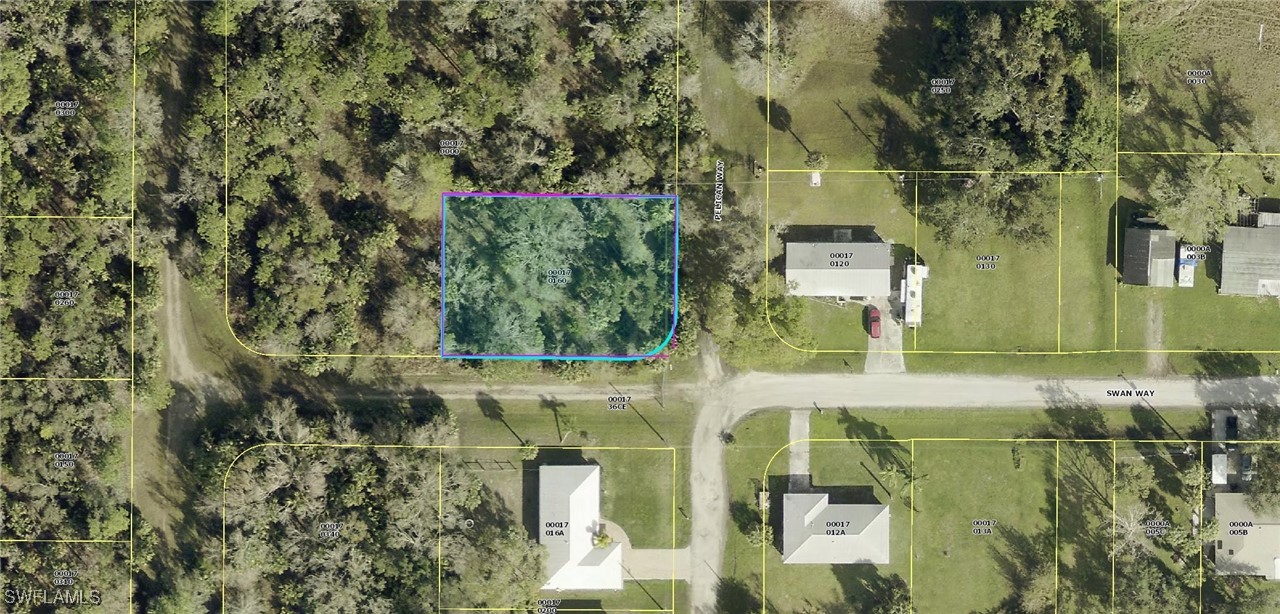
pixel 648 563
pixel 884 355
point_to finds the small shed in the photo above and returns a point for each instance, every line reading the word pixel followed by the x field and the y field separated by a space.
pixel 1150 256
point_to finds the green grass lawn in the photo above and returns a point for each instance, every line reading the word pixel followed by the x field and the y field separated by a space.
pixel 956 570
pixel 959 474
pixel 829 102
pixel 1084 525
pixel 1161 41
pixel 844 199
pixel 1088 282
pixel 1013 307
pixel 1194 322
pixel 1196 319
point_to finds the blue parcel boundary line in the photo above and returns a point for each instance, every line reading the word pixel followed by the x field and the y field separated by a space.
pixel 675 275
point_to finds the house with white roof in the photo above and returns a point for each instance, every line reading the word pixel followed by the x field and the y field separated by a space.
pixel 569 520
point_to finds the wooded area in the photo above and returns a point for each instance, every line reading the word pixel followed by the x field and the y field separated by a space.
pixel 64 460
pixel 360 529
pixel 348 120
pixel 558 276
pixel 1029 94
pixel 65 99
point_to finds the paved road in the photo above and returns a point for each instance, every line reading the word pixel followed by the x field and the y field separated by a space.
pixel 725 405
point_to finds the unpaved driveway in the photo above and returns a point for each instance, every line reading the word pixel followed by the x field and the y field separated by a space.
pixel 798 453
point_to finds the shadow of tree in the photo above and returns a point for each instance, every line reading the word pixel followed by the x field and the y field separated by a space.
pixel 491 409
pixel 779 118
pixel 1084 487
pixel 1022 560
pixel 1215 111
pixel 1071 415
pixel 737 596
pixel 888 454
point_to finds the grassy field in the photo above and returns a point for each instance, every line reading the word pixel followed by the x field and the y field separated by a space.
pixel 964 484
pixel 1012 307
pixel 1233 108
pixel 959 476
pixel 829 100
pixel 1088 284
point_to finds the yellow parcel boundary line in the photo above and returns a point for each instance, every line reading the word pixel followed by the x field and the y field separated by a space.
pixel 133 287
pixel 226 195
pixel 66 217
pixel 1061 174
pixel 439 508
pixel 764 510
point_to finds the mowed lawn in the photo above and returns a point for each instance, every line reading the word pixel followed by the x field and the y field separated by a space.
pixel 1088 281
pixel 1012 307
pixel 959 483
pixel 1234 107
pixel 829 101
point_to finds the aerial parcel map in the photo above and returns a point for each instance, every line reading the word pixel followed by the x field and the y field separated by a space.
pixel 640 306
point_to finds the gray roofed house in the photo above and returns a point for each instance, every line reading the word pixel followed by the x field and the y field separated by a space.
pixel 569 518
pixel 815 531
pixel 1251 261
pixel 1150 257
pixel 839 269
pixel 1248 543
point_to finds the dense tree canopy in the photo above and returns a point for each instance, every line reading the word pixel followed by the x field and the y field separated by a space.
pixel 65 107
pixel 360 529
pixel 1025 98
pixel 581 276
pixel 66 289
pixel 1197 201
pixel 348 120
pixel 63 459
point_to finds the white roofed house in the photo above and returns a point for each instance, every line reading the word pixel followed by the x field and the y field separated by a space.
pixel 839 269
pixel 815 531
pixel 569 520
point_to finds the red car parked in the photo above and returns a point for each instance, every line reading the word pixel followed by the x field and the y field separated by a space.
pixel 873 322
